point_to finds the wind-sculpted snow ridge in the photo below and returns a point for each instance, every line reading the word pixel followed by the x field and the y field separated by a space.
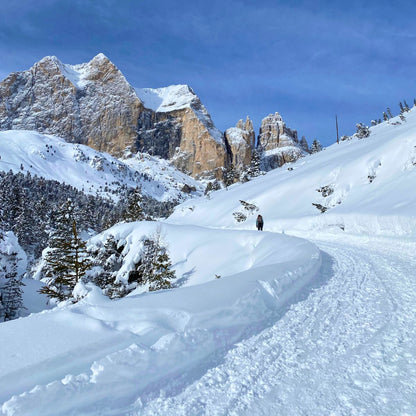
pixel 89 170
pixel 357 186
pixel 112 357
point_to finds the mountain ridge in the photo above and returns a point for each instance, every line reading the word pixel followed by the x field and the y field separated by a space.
pixel 93 104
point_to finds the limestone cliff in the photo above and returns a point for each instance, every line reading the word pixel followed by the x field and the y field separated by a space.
pixel 93 104
pixel 90 103
pixel 241 140
pixel 177 126
pixel 279 143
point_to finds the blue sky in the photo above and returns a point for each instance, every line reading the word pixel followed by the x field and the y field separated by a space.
pixel 307 60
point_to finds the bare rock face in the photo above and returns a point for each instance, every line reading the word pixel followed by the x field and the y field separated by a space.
pixel 93 104
pixel 176 126
pixel 241 140
pixel 90 103
pixel 279 143
pixel 274 133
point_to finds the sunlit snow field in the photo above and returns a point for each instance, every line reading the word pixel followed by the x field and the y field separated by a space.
pixel 313 316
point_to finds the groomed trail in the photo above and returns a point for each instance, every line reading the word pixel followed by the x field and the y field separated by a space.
pixel 348 347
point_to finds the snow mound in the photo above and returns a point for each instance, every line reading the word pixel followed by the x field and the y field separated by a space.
pixel 124 348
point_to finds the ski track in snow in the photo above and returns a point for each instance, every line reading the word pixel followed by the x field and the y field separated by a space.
pixel 347 349
pixel 344 346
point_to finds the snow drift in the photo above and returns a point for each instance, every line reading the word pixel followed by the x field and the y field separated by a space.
pixel 105 354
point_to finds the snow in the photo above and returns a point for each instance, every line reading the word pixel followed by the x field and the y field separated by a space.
pixel 317 325
pixel 79 349
pixel 235 135
pixel 384 205
pixel 8 245
pixel 77 74
pixel 178 97
pixel 172 98
pixel 93 172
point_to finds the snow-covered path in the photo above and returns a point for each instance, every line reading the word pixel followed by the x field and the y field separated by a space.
pixel 348 348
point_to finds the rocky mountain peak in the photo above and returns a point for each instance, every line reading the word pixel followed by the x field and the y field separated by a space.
pixel 279 143
pixel 89 103
pixel 93 104
pixel 176 126
pixel 274 133
pixel 241 140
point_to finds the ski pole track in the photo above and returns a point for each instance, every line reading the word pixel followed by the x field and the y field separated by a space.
pixel 348 349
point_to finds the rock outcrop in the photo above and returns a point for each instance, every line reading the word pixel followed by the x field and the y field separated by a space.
pixel 93 104
pixel 241 140
pixel 176 126
pixel 279 143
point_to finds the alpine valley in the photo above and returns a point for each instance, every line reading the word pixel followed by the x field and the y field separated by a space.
pixel 133 280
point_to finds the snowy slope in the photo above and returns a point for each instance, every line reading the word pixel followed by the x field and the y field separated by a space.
pixel 291 328
pixel 172 98
pixel 372 181
pixel 101 354
pixel 88 170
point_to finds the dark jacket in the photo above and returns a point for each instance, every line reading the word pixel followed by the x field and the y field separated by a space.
pixel 259 221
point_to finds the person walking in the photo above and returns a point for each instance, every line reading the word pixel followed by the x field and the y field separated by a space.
pixel 259 222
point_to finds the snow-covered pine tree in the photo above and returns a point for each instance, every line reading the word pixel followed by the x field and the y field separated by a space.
pixel 66 258
pixel 134 210
pixel 401 108
pixel 12 292
pixel 406 106
pixel 304 144
pixel 26 224
pixel 229 175
pixel 389 112
pixel 316 146
pixel 154 267
pixel 254 169
pixel 108 258
pixel 162 273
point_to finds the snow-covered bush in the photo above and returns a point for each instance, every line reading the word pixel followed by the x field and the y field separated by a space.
pixel 363 131
pixel 239 216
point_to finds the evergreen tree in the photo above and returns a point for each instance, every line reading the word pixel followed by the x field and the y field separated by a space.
pixel 389 112
pixel 304 144
pixel 385 117
pixel 109 259
pixel 229 175
pixel 134 210
pixel 401 108
pixel 316 146
pixel 12 292
pixel 255 169
pixel 66 259
pixel 154 267
pixel 212 186
pixel 406 106
pixel 414 102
